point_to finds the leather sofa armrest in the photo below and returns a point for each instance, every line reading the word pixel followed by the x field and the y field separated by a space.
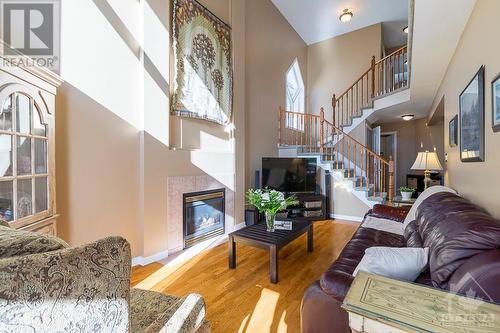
pixel 321 313
pixel 397 214
pixel 478 277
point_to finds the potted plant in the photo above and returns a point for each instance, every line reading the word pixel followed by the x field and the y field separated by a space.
pixel 269 202
pixel 406 192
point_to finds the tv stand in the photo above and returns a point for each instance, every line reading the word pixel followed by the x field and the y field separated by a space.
pixel 311 207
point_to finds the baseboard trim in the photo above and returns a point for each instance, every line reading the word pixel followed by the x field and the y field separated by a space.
pixel 346 217
pixel 143 261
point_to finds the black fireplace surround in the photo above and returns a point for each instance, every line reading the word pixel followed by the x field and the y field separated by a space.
pixel 203 216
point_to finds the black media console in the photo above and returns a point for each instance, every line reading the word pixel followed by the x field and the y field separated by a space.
pixel 311 207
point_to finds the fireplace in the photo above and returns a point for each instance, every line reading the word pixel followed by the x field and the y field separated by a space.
pixel 204 215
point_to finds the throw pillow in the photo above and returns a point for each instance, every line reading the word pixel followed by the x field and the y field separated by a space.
pixel 402 263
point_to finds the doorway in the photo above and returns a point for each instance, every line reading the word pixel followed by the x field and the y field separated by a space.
pixel 388 150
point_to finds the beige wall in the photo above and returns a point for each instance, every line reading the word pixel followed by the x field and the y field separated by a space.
pixel 98 113
pixel 271 47
pixel 476 181
pixel 412 137
pixel 97 157
pixel 334 64
pixel 114 132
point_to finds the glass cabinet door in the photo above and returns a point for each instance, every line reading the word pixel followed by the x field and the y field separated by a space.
pixel 24 159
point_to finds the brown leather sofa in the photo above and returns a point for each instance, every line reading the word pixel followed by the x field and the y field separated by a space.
pixel 464 257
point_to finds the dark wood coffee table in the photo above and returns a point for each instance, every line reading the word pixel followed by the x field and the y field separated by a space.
pixel 257 236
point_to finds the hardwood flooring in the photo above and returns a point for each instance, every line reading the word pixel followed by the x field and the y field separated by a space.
pixel 243 299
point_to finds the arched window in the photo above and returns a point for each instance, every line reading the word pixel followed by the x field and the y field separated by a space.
pixel 295 92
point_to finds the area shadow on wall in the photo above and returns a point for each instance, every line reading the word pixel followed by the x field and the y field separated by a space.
pixel 97 155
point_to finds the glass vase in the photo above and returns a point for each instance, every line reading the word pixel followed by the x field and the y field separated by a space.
pixel 270 221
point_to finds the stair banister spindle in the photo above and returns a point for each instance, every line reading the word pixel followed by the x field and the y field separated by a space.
pixel 334 102
pixel 308 133
pixel 355 158
pixel 390 193
pixel 373 76
pixel 348 154
pixel 279 126
pixel 316 136
pixel 294 129
pixel 322 130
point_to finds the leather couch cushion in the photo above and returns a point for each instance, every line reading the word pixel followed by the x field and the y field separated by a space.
pixel 338 278
pixel 383 224
pixel 391 213
pixel 478 277
pixel 454 230
pixel 424 278
pixel 412 236
pixel 411 216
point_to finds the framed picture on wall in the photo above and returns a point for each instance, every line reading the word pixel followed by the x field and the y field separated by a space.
pixel 471 115
pixel 495 103
pixel 453 132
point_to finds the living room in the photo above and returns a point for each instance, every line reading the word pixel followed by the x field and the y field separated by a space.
pixel 249 166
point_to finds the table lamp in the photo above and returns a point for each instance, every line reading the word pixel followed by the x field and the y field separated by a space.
pixel 427 161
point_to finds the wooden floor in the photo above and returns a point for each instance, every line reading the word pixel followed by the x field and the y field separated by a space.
pixel 244 300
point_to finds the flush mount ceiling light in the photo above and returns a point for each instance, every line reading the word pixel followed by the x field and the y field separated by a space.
pixel 408 117
pixel 405 29
pixel 346 16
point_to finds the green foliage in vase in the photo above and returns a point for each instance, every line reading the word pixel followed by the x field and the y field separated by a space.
pixel 270 201
pixel 407 189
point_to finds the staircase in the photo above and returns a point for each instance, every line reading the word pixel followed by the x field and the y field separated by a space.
pixel 384 77
pixel 370 176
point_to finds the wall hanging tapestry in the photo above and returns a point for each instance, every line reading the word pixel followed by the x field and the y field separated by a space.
pixel 203 77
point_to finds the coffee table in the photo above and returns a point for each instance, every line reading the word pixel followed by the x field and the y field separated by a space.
pixel 257 236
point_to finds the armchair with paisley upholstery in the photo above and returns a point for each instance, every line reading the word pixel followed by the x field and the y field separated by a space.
pixel 47 286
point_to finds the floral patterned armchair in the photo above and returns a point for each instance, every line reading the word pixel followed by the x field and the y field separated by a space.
pixel 46 286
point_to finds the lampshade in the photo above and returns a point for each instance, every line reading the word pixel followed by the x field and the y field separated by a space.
pixel 427 161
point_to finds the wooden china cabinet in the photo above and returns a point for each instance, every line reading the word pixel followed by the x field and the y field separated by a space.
pixel 27 147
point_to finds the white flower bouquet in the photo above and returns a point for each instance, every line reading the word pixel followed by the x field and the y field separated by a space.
pixel 270 202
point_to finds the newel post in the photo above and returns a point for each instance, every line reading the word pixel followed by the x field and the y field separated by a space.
pixel 322 130
pixel 334 103
pixel 390 195
pixel 280 115
pixel 373 77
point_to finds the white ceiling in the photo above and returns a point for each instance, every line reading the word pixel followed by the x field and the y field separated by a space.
pixel 318 20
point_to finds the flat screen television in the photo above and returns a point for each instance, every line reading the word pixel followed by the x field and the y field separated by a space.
pixel 291 175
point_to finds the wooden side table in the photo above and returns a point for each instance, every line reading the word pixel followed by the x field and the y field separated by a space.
pixel 380 305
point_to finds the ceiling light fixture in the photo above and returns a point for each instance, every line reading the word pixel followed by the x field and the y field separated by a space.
pixel 408 117
pixel 405 29
pixel 346 16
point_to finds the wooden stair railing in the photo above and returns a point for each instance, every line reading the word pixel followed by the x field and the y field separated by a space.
pixel 383 77
pixel 313 134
